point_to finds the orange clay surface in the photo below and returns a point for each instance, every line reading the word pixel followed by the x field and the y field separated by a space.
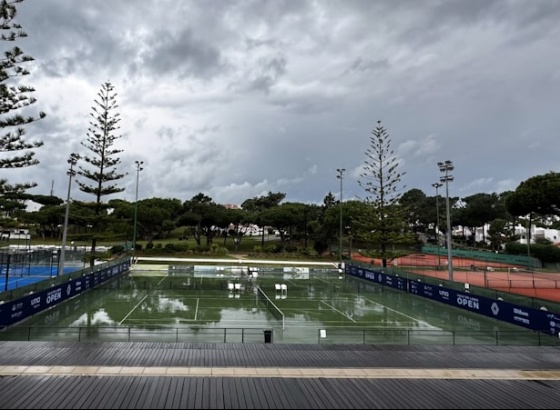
pixel 542 285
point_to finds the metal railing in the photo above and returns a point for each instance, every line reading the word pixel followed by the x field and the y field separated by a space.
pixel 387 336
pixel 436 337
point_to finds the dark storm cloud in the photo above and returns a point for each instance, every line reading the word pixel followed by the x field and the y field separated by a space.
pixel 183 54
pixel 238 98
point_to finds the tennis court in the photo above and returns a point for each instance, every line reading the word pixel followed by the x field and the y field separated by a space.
pixel 221 304
pixel 17 277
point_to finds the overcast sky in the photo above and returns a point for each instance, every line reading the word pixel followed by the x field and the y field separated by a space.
pixel 238 98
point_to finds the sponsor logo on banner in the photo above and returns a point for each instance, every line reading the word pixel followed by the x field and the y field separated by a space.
pixel 468 301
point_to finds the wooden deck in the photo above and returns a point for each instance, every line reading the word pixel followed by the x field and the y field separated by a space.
pixel 266 376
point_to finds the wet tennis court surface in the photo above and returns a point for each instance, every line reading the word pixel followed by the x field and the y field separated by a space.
pixel 323 308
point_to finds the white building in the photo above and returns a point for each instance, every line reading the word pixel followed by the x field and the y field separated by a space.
pixel 553 235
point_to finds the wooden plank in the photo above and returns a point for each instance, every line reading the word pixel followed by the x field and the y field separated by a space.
pixel 170 399
pixel 262 387
pixel 18 390
pixel 191 392
pixel 131 397
pixel 152 393
pixel 309 390
pixel 99 386
pixel 128 383
pixel 244 402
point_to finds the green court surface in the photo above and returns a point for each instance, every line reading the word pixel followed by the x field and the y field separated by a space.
pixel 321 307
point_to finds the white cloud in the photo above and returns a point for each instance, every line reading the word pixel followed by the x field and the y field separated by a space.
pixel 236 99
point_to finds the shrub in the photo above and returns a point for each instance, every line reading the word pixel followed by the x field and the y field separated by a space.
pixel 117 249
pixel 291 248
pixel 181 247
pixel 545 253
pixel 272 248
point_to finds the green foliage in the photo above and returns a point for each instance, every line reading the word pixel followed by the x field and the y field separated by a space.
pixel 539 195
pixel 103 158
pixel 272 248
pixel 16 151
pixel 321 244
pixel 117 249
pixel 291 248
pixel 545 253
pixel 181 247
pixel 385 223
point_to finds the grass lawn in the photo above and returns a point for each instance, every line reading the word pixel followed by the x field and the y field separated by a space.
pixel 246 249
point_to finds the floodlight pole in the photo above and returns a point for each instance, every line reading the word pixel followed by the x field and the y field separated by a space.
pixel 437 185
pixel 73 160
pixel 138 169
pixel 340 176
pixel 446 167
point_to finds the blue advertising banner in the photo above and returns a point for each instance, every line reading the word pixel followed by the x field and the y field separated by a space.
pixel 534 319
pixel 17 310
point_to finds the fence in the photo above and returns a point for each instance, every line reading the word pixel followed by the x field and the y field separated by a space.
pixel 386 336
pixel 487 256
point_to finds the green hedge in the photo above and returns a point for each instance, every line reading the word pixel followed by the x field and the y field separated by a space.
pixel 545 253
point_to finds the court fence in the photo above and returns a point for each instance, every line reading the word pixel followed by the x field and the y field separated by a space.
pixel 387 336
pixel 487 256
pixel 489 292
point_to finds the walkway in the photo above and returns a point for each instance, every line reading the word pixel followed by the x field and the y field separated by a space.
pixel 68 375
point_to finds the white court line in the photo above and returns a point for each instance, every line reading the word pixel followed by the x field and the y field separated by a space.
pixel 322 280
pixel 162 279
pixel 336 310
pixel 133 309
pixel 402 314
pixel 196 311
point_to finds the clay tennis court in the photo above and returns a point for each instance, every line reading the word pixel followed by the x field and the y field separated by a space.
pixel 494 275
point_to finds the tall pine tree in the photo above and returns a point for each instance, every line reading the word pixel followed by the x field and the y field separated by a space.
pixel 16 151
pixel 385 225
pixel 103 160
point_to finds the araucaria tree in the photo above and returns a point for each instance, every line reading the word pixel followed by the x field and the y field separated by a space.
pixel 103 159
pixel 385 224
pixel 14 98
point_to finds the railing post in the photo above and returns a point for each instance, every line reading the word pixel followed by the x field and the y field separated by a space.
pixel 29 334
pixel 243 335
pixel 79 334
pixel 408 336
pixel 225 337
pixel 177 335
pixel 497 337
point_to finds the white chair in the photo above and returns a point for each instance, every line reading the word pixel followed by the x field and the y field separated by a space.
pixel 284 287
pixel 238 286
pixel 277 287
pixel 230 286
